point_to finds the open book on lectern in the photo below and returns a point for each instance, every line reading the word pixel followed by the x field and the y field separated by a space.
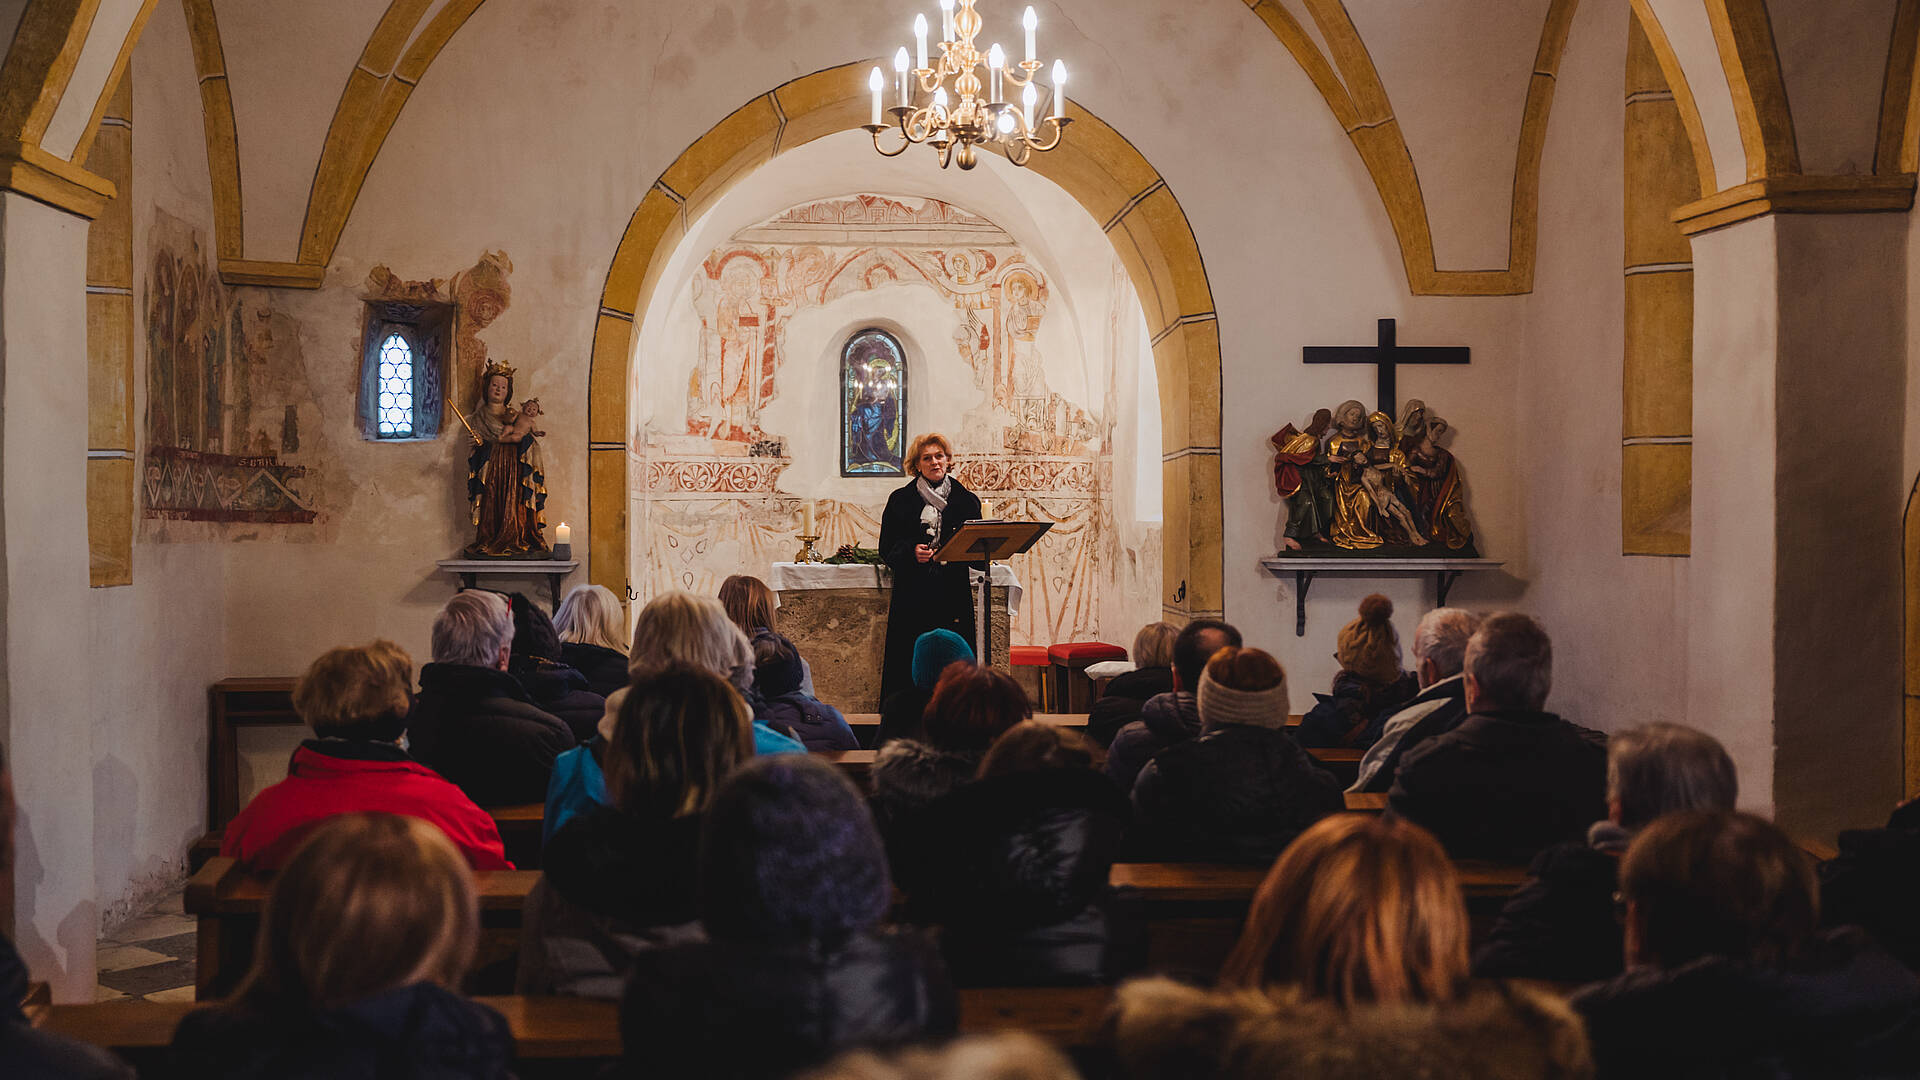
pixel 991 540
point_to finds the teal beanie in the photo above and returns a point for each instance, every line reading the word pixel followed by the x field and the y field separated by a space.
pixel 933 651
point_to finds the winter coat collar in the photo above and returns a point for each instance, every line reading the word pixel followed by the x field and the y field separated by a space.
pixel 471 682
pixel 351 750
pixel 1174 715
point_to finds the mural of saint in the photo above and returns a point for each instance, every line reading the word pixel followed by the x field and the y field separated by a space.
pixel 724 398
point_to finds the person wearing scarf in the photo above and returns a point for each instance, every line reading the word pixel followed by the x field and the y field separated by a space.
pixel 927 594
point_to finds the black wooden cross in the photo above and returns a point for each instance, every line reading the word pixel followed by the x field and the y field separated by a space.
pixel 1388 355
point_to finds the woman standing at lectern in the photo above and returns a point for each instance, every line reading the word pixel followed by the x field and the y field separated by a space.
pixel 927 595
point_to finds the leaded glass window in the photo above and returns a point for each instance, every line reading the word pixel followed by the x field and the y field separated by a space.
pixel 394 409
pixel 873 405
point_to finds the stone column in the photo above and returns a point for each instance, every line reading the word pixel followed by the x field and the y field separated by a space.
pixel 1794 631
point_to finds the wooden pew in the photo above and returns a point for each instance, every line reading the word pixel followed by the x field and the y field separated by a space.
pixel 227 901
pixel 520 831
pixel 1367 802
pixel 543 1028
pixel 1059 1014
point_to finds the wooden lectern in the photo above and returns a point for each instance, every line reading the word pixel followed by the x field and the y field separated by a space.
pixel 983 542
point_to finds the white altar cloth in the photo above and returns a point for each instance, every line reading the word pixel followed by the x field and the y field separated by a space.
pixel 789 575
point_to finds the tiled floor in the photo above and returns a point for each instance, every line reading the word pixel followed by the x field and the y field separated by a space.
pixel 150 958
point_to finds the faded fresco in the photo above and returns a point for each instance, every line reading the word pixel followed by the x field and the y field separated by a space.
pixel 229 417
pixel 712 500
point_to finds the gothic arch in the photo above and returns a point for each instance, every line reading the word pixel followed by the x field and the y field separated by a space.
pixel 1910 640
pixel 1097 166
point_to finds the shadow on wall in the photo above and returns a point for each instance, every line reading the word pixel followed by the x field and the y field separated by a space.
pixel 67 961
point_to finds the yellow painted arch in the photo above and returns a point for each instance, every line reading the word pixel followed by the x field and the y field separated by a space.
pixel 1096 165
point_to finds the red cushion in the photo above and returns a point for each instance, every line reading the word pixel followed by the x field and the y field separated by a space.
pixel 1028 655
pixel 1082 653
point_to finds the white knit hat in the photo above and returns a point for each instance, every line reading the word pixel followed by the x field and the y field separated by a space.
pixel 1257 708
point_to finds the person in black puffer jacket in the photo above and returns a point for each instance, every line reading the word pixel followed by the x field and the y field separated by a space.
pixel 368 930
pixel 1560 926
pixel 789 709
pixel 1874 882
pixel 1369 686
pixel 1152 675
pixel 793 885
pixel 620 878
pixel 1174 716
pixel 1726 974
pixel 554 685
pixel 593 637
pixel 472 722
pixel 1013 867
pixel 971 707
pixel 1243 790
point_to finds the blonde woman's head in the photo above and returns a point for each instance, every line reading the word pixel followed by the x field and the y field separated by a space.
pixel 591 615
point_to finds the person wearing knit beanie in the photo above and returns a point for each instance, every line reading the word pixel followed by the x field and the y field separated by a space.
pixel 1244 686
pixel 1243 789
pixel 933 651
pixel 1369 686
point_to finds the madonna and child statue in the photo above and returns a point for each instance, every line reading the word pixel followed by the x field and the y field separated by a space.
pixel 506 477
pixel 1358 483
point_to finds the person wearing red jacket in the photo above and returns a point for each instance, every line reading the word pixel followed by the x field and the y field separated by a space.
pixel 355 700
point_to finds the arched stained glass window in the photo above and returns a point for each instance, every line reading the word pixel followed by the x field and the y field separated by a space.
pixel 873 405
pixel 394 407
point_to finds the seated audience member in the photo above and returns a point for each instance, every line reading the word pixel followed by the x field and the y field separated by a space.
pixel 1873 881
pixel 902 713
pixel 1439 649
pixel 1009 1055
pixel 1353 965
pixel 1174 716
pixel 1512 778
pixel 593 637
pixel 355 700
pixel 674 626
pixel 1727 975
pixel 27 1053
pixel 795 968
pixel 1242 790
pixel 751 604
pixel 554 685
pixel 1369 685
pixel 776 674
pixel 1560 926
pixel 1152 675
pixel 475 724
pixel 363 943
pixel 1013 867
pixel 971 706
pixel 620 878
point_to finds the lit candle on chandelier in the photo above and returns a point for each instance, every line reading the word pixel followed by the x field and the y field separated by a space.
pixel 875 83
pixel 946 20
pixel 900 73
pixel 1028 96
pixel 996 62
pixel 1031 24
pixel 920 40
pixel 1059 89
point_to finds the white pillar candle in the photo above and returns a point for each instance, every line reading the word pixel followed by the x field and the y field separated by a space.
pixel 806 519
pixel 563 534
pixel 920 41
pixel 875 83
pixel 1059 89
pixel 986 509
pixel 1030 22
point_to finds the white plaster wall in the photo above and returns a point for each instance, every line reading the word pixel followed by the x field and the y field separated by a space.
pixel 159 642
pixel 1618 622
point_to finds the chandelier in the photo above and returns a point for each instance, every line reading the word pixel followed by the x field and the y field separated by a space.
pixel 954 124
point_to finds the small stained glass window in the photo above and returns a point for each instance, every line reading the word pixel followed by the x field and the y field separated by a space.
pixel 873 410
pixel 394 405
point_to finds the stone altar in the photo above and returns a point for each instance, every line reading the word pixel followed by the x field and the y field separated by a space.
pixel 837 617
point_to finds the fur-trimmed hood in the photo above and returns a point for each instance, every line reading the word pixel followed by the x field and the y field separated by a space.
pixel 1163 1030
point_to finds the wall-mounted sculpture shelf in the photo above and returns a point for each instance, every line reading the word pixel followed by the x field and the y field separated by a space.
pixel 1304 567
pixel 554 570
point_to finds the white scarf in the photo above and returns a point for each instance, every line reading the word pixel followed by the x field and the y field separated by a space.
pixel 936 500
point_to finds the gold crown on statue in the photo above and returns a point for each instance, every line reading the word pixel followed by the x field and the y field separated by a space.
pixel 495 367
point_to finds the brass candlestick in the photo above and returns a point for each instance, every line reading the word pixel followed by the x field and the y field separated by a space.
pixel 808 553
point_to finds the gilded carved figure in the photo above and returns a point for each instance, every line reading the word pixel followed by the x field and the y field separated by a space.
pixel 1355 482
pixel 506 475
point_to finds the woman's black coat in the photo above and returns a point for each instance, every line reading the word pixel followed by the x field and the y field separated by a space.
pixel 926 596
